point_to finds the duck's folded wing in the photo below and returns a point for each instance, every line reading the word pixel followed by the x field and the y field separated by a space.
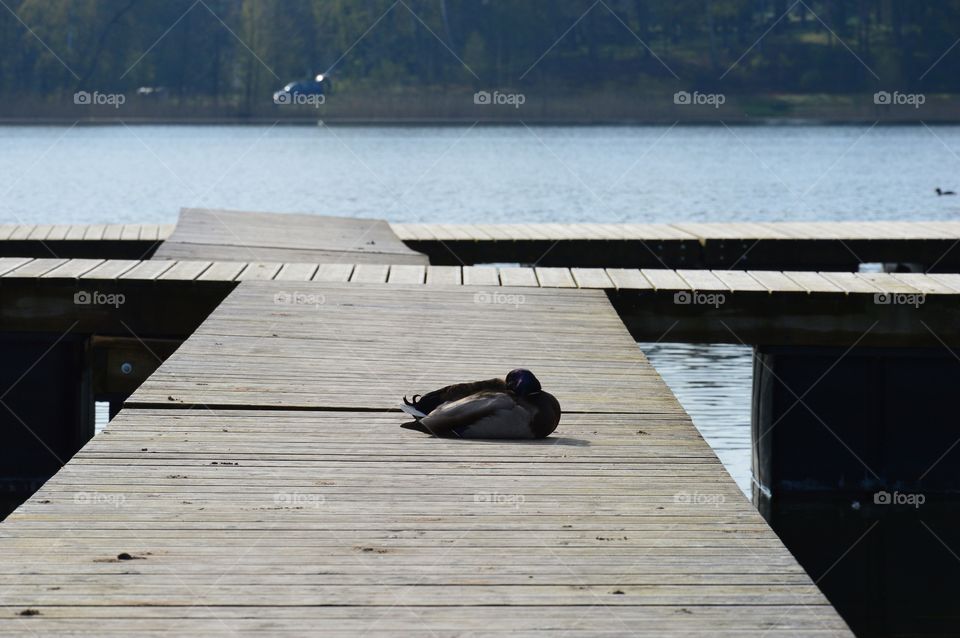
pixel 431 400
pixel 466 411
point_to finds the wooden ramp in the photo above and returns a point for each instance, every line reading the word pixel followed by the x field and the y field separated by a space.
pixel 259 482
pixel 243 236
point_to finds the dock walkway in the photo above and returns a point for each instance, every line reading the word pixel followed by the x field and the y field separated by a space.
pixel 259 482
pixel 233 236
pixel 706 306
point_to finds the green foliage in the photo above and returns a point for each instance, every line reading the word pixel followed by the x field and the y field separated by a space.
pixel 245 49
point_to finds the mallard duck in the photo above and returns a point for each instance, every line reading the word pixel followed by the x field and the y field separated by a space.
pixel 511 408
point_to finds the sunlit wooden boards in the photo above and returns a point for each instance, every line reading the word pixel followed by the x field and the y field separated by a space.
pixel 711 306
pixel 704 232
pixel 207 234
pixel 89 232
pixel 926 245
pixel 353 345
pixel 82 241
pixel 260 482
pixel 507 276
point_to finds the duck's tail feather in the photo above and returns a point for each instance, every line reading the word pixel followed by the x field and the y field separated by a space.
pixel 411 409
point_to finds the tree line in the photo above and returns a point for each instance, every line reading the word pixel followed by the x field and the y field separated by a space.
pixel 229 50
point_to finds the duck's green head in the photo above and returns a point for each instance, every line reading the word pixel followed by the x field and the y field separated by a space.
pixel 522 382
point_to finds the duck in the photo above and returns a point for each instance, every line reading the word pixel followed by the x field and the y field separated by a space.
pixel 515 407
pixel 943 192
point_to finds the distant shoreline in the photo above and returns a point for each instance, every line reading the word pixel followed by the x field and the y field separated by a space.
pixel 413 123
pixel 458 107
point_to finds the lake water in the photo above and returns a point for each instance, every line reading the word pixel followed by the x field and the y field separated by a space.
pixel 140 174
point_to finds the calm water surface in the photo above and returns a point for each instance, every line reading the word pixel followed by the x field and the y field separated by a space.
pixel 501 174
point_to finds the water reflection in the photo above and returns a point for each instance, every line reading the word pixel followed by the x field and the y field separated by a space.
pixel 713 383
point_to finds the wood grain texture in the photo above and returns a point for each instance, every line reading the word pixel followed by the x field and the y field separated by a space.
pixel 260 483
pixel 243 236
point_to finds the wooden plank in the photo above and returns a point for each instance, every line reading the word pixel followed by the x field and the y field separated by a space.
pixel 702 280
pixel 775 281
pixel 515 276
pixel 76 232
pixel 40 232
pixel 35 268
pixel 149 232
pixel 664 279
pixel 591 278
pixel 259 271
pixel 924 283
pixel 58 232
pixel 94 232
pixel 951 280
pixel 185 271
pixel 629 279
pixel 148 269
pixel 222 271
pixel 812 282
pixel 849 282
pixel 739 280
pixel 333 272
pixel 112 232
pixel 555 278
pixel 22 231
pixel 297 272
pixel 370 273
pixel 8 264
pixel 110 269
pixel 73 269
pixel 443 275
pixel 480 276
pixel 407 274
pixel 888 283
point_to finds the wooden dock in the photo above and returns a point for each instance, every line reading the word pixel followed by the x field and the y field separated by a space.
pixel 241 236
pixel 228 235
pixel 924 245
pixel 654 279
pixel 259 482
pixel 708 306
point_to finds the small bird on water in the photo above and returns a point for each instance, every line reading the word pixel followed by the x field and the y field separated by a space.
pixel 943 192
pixel 511 408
